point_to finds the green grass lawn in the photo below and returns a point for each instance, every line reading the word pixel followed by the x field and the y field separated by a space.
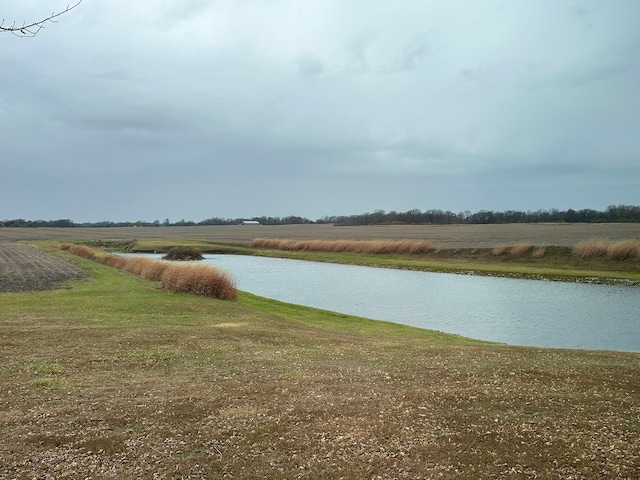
pixel 114 377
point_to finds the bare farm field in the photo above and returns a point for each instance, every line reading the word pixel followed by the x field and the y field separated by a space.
pixel 26 268
pixel 441 236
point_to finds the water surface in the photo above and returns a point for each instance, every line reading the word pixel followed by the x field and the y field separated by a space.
pixel 514 311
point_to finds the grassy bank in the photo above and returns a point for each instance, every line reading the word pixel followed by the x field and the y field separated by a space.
pixel 586 261
pixel 197 279
pixel 118 378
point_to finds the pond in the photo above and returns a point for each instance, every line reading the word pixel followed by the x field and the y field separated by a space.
pixel 506 310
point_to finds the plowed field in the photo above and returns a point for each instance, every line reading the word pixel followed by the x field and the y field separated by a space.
pixel 442 236
pixel 25 268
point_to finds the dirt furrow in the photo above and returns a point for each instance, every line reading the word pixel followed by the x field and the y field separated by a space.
pixel 25 268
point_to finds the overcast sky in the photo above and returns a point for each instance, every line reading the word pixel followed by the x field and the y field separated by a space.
pixel 190 109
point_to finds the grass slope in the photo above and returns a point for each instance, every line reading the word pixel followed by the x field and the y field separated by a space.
pixel 117 378
pixel 558 263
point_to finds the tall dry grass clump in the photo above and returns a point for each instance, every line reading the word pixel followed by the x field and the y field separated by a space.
pixel 624 250
pixel 203 279
pixel 520 249
pixel 499 250
pixel 374 247
pixel 627 249
pixel 538 252
pixel 590 248
pixel 184 253
pixel 79 250
pixel 114 261
pixel 146 268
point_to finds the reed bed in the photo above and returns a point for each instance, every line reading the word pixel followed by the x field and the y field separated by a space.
pixel 538 252
pixel 184 253
pixel 79 250
pixel 203 279
pixel 520 249
pixel 146 268
pixel 374 247
pixel 500 250
pixel 627 249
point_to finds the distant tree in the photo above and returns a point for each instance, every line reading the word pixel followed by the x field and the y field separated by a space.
pixel 32 29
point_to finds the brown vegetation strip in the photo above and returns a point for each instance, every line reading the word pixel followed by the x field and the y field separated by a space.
pixel 25 268
pixel 375 247
pixel 626 249
pixel 205 280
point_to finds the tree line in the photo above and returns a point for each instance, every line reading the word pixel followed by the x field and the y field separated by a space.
pixel 20 222
pixel 613 213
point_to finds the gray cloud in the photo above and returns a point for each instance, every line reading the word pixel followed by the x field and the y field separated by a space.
pixel 190 109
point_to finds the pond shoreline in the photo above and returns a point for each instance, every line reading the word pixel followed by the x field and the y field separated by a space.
pixel 493 308
pixel 443 268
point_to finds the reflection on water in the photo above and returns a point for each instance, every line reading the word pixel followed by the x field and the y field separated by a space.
pixel 514 311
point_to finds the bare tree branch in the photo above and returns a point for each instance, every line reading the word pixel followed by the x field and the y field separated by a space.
pixel 32 29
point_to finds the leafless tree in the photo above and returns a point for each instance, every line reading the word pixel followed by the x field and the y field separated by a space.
pixel 32 29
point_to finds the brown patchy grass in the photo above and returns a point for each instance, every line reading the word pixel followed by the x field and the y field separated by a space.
pixel 118 379
pixel 262 396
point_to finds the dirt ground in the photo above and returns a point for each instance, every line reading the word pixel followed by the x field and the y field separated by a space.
pixel 443 236
pixel 25 268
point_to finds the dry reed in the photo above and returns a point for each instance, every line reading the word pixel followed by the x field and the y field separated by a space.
pixel 520 248
pixel 113 261
pixel 146 268
pixel 624 250
pixel 499 250
pixel 538 252
pixel 79 250
pixel 374 247
pixel 590 248
pixel 205 280
pixel 628 249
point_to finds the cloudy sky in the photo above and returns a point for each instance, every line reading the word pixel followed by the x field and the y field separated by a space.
pixel 189 109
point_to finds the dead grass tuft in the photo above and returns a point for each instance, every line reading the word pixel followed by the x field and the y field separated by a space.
pixel 499 250
pixel 146 268
pixel 623 250
pixel 520 249
pixel 538 252
pixel 79 250
pixel 114 261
